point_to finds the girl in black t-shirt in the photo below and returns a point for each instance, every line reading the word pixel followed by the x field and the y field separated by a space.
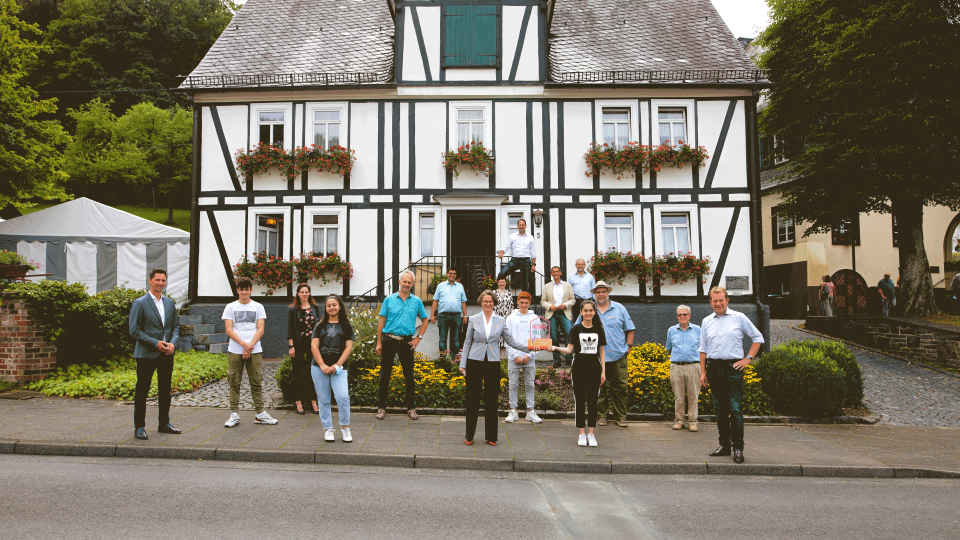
pixel 331 345
pixel 588 370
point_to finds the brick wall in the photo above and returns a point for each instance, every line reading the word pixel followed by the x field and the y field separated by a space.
pixel 25 354
pixel 934 344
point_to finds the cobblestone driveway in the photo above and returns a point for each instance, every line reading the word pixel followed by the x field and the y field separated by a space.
pixel 901 393
pixel 218 393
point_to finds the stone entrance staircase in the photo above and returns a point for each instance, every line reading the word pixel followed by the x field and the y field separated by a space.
pixel 196 336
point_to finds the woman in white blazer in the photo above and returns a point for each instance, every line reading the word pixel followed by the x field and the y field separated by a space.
pixel 480 362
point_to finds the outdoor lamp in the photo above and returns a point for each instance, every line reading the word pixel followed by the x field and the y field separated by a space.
pixel 538 216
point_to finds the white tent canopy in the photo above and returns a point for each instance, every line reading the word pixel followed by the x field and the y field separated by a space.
pixel 85 241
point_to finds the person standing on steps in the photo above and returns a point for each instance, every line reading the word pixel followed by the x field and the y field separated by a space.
pixel 302 316
pixel 557 301
pixel 618 328
pixel 588 371
pixel 155 325
pixel 888 293
pixel 583 284
pixel 398 336
pixel 331 346
pixel 521 362
pixel 683 344
pixel 523 255
pixel 449 312
pixel 245 322
pixel 721 367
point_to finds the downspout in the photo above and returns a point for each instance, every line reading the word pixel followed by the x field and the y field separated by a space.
pixel 753 181
pixel 194 212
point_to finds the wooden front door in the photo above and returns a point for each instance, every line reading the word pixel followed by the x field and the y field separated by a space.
pixel 850 294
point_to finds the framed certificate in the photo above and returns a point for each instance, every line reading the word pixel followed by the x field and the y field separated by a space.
pixel 539 334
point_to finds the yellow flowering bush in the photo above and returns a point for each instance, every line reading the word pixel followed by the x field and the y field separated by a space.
pixel 436 387
pixel 650 390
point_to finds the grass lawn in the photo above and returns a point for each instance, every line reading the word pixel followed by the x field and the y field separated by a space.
pixel 181 218
pixel 943 318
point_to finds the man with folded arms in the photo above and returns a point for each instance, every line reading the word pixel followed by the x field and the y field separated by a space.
pixel 721 366
pixel 683 344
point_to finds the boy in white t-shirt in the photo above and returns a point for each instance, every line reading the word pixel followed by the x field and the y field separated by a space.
pixel 245 320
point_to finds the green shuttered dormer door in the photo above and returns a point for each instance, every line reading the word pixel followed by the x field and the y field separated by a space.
pixel 471 36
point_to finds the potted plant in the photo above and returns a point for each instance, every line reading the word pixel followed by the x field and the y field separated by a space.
pixel 474 155
pixel 319 266
pixel 15 266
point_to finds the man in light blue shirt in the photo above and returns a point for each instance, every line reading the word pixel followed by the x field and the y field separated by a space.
pixel 449 311
pixel 721 366
pixel 397 335
pixel 618 327
pixel 582 283
pixel 683 344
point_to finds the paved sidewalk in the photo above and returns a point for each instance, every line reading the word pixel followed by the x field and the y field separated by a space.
pixel 103 428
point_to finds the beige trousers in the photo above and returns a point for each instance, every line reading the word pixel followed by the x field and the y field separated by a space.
pixel 685 381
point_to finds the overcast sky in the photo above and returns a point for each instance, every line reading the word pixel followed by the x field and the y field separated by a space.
pixel 745 18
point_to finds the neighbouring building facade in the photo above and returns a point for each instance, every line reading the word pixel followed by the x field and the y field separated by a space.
pixel 537 82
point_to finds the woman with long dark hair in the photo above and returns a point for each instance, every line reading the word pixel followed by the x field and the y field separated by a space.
pixel 331 345
pixel 302 316
pixel 588 371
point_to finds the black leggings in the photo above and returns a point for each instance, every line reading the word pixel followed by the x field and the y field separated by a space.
pixel 585 375
pixel 303 389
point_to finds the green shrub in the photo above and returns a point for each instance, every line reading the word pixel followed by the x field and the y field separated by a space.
pixel 802 381
pixel 844 357
pixel 117 379
pixel 284 377
pixel 547 400
pixel 364 322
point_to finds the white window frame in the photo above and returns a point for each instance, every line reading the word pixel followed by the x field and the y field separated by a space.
pixel 338 106
pixel 690 210
pixel 674 228
pixel 435 228
pixel 438 232
pixel 634 210
pixel 486 107
pixel 285 108
pixel 632 104
pixel 340 212
pixel 253 214
pixel 782 225
pixel 268 230
pixel 687 105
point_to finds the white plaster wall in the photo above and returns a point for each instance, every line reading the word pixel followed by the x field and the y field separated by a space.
pixel 716 222
pixel 404 145
pixel 577 136
pixel 511 140
pixel 413 69
pixel 299 120
pixel 470 179
pixel 630 287
pixel 364 132
pixel 529 67
pixel 553 233
pixel 271 180
pixel 297 238
pixel 215 176
pixel 581 235
pixel 554 160
pixel 431 134
pixel 211 279
pixel 732 167
pixel 538 143
pixel 321 180
pixel 512 20
pixel 388 143
pixel 647 247
pixel 430 26
pixel 471 74
pixel 740 259
pixel 363 252
pixel 713 232
pixel 404 238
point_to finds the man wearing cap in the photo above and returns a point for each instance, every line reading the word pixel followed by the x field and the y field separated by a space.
pixel 618 327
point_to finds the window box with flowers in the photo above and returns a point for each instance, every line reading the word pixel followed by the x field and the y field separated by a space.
pixel 624 160
pixel 274 272
pixel 655 271
pixel 337 160
pixel 473 155
pixel 327 268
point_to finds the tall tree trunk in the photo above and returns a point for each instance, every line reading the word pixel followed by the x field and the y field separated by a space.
pixel 915 297
pixel 153 195
pixel 170 216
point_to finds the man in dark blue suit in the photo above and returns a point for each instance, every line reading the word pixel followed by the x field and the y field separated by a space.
pixel 155 324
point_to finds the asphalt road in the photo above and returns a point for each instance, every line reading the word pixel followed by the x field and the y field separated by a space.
pixel 59 497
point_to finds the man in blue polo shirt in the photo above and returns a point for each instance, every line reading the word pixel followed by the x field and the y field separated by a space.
pixel 683 344
pixel 618 327
pixel 449 311
pixel 397 336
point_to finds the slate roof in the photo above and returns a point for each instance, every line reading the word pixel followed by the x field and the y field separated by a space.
pixel 774 176
pixel 590 36
pixel 349 40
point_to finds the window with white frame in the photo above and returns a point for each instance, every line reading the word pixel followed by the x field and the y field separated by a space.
pixel 512 219
pixel 271 125
pixel 326 128
pixel 469 126
pixel 675 231
pixel 618 231
pixel 269 229
pixel 616 126
pixel 673 125
pixel 427 234
pixel 326 233
pixel 784 231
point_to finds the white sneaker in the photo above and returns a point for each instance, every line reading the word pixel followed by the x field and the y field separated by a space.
pixel 328 435
pixel 532 416
pixel 264 418
pixel 591 440
pixel 345 433
pixel 582 439
pixel 512 417
pixel 233 420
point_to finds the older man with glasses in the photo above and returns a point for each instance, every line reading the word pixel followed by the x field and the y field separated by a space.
pixel 683 344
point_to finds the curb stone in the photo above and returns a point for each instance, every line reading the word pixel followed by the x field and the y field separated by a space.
pixel 65 449
pixel 480 464
pixel 7 446
pixel 628 467
pixel 270 456
pixel 920 472
pixel 370 460
pixel 590 467
pixel 166 451
pixel 847 471
pixel 755 469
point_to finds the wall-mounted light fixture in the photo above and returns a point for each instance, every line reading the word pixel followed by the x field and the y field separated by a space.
pixel 538 216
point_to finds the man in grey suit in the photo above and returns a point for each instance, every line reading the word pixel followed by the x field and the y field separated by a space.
pixel 155 324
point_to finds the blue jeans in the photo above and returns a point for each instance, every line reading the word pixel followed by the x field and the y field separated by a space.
pixel 335 384
pixel 726 385
pixel 559 323
pixel 887 305
pixel 451 321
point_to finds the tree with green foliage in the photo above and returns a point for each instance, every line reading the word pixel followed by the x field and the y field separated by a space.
pixel 116 46
pixel 31 164
pixel 865 109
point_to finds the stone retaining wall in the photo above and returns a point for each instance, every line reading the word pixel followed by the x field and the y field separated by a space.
pixel 25 354
pixel 931 343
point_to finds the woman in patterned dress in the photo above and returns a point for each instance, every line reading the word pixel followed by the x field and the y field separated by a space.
pixel 301 318
pixel 503 308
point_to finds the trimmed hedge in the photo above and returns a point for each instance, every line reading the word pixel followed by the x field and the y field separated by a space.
pixel 844 357
pixel 802 380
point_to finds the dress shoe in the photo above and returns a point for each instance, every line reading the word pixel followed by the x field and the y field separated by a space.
pixel 168 429
pixel 721 451
pixel 301 413
pixel 738 456
pixel 140 433
pixel 693 427
pixel 381 414
pixel 413 414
